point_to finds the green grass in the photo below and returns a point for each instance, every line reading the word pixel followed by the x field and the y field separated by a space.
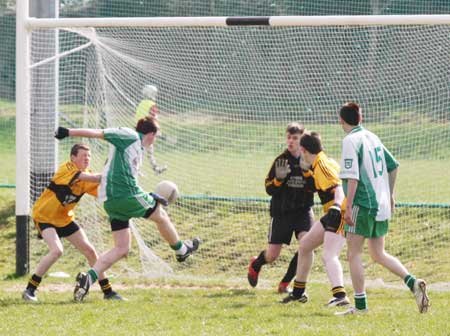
pixel 7 233
pixel 215 311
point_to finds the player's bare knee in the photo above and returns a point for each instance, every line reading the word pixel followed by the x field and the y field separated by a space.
pixel 351 255
pixel 90 253
pixel 56 253
pixel 327 257
pixel 160 215
pixel 377 256
pixel 123 251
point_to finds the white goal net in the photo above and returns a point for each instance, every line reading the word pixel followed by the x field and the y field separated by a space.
pixel 225 96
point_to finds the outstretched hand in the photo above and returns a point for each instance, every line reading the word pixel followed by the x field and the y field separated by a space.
pixel 282 169
pixel 61 133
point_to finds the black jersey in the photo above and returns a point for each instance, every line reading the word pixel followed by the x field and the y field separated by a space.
pixel 292 195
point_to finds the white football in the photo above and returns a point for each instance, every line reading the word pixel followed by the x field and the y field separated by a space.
pixel 168 190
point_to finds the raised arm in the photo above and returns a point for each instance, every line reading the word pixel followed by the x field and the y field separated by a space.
pixel 86 133
pixel 63 132
pixel 90 177
pixel 276 176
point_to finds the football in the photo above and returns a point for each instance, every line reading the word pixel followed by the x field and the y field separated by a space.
pixel 168 190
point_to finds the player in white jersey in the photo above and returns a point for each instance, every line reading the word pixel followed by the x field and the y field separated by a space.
pixel 124 199
pixel 368 172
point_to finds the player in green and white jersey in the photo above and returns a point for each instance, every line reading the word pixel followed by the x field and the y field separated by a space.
pixel 368 172
pixel 124 199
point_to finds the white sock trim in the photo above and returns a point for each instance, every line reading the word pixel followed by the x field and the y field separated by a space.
pixel 182 250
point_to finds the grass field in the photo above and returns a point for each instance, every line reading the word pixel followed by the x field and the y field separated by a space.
pixel 210 296
pixel 215 311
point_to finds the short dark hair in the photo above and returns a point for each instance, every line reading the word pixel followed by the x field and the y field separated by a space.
pixel 311 142
pixel 76 148
pixel 294 128
pixel 351 113
pixel 147 125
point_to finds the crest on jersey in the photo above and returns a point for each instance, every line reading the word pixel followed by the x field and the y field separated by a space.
pixel 348 163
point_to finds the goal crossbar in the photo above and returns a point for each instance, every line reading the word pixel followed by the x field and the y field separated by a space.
pixel 353 20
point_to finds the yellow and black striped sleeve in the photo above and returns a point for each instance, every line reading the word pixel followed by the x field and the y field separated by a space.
pixel 326 174
pixel 326 179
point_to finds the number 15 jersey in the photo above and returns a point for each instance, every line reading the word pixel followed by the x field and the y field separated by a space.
pixel 364 158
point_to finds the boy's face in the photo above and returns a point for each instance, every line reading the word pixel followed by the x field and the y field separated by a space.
pixel 306 155
pixel 82 159
pixel 148 139
pixel 293 141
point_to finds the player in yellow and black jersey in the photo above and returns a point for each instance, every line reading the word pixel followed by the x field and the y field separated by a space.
pixel 329 230
pixel 290 207
pixel 53 215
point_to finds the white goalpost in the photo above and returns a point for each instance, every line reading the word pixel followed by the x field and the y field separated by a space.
pixel 227 88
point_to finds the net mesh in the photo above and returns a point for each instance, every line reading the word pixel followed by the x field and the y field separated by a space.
pixel 225 96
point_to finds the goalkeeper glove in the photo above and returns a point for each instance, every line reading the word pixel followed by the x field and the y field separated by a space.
pixel 61 133
pixel 159 199
pixel 332 219
pixel 282 169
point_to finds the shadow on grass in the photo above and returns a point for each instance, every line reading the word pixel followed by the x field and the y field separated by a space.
pixel 14 276
pixel 232 293
pixel 18 301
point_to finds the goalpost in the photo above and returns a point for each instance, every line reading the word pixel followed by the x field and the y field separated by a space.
pixel 227 88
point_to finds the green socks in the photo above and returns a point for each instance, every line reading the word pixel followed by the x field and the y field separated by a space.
pixel 92 275
pixel 361 301
pixel 179 248
pixel 409 281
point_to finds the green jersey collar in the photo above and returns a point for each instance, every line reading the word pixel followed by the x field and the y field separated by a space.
pixel 356 129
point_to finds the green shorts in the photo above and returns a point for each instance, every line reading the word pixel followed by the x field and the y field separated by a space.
pixel 366 225
pixel 137 206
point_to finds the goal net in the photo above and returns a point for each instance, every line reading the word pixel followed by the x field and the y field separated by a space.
pixel 225 96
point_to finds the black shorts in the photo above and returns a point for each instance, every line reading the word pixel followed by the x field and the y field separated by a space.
pixel 64 231
pixel 117 224
pixel 282 227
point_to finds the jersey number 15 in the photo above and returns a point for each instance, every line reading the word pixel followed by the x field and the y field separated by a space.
pixel 377 162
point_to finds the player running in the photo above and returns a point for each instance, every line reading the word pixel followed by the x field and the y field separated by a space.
pixel 369 171
pixel 53 215
pixel 124 199
pixel 329 230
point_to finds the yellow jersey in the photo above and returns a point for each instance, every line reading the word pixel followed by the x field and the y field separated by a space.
pixel 144 109
pixel 325 172
pixel 56 204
